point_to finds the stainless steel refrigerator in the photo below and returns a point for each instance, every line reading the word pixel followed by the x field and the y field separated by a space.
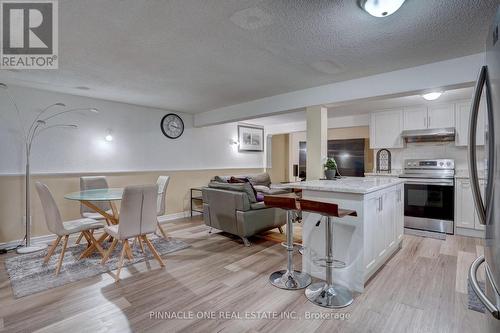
pixel 488 208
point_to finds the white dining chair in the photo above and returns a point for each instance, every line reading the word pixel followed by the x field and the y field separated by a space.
pixel 162 183
pixel 94 183
pixel 137 219
pixel 64 229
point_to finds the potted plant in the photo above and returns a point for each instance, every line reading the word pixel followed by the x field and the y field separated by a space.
pixel 330 168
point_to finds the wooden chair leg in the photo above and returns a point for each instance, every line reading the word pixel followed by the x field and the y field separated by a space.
pixel 52 249
pixel 153 250
pixel 86 235
pixel 79 238
pixel 120 262
pixel 164 234
pixel 141 246
pixel 280 229
pixel 61 256
pixel 110 250
pixel 128 250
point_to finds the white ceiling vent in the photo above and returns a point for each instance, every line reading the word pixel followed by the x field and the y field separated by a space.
pixel 251 18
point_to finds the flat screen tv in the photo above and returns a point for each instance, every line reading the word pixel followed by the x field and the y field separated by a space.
pixel 349 154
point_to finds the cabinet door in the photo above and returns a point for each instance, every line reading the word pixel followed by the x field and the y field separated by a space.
pixel 465 215
pixel 415 118
pixel 477 224
pixel 372 213
pixel 385 129
pixel 389 218
pixel 380 238
pixel 441 116
pixel 399 212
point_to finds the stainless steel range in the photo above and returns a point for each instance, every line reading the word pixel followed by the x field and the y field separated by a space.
pixel 429 194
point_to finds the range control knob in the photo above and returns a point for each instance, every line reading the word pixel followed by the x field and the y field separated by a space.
pixel 441 163
pixel 448 163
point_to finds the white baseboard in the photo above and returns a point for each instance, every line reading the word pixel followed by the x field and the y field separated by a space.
pixel 50 238
pixel 469 232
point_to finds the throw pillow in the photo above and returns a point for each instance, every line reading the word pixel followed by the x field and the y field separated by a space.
pixel 235 180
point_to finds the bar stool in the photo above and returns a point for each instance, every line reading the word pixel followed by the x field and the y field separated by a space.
pixel 326 293
pixel 288 279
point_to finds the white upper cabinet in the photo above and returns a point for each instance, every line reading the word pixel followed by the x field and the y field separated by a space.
pixel 462 114
pixel 441 116
pixel 415 118
pixel 385 129
pixel 435 116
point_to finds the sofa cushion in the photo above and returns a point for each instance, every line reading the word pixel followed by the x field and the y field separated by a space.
pixel 234 180
pixel 271 191
pixel 260 179
pixel 239 187
pixel 258 205
pixel 220 179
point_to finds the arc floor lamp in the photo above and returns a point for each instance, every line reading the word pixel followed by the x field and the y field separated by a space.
pixel 41 123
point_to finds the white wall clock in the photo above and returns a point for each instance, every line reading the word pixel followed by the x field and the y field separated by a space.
pixel 172 126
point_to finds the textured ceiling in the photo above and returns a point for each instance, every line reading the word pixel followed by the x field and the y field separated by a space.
pixel 198 55
pixel 366 106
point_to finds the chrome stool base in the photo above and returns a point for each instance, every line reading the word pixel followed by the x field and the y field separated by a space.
pixel 294 280
pixel 329 296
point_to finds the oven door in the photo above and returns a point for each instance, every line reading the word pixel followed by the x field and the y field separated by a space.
pixel 429 206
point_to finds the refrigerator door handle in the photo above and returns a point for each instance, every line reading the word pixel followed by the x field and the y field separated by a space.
pixel 475 286
pixel 478 200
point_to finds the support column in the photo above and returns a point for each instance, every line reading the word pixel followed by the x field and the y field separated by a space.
pixel 317 141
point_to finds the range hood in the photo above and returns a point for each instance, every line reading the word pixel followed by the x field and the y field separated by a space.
pixel 429 135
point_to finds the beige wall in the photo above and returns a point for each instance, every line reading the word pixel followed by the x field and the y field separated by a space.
pixel 279 167
pixel 358 132
pixel 12 195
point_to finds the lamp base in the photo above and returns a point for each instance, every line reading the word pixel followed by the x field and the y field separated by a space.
pixel 31 249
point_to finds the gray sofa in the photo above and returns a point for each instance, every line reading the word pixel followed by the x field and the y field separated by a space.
pixel 233 208
pixel 260 181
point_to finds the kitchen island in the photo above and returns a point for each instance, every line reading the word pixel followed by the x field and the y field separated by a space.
pixel 364 243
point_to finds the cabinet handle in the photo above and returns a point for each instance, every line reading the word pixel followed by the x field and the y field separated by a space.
pixel 425 122
pixel 428 122
pixel 380 204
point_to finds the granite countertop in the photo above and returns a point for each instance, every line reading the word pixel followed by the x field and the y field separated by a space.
pixel 359 185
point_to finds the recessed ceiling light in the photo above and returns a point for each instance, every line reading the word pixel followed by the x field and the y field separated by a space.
pixel 82 88
pixel 381 8
pixel 432 96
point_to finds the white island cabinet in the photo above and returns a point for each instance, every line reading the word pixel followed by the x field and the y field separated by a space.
pixel 364 243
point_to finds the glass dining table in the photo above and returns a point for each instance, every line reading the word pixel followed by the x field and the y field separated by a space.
pixel 89 197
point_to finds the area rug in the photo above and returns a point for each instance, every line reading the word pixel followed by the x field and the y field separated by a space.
pixel 474 302
pixel 28 274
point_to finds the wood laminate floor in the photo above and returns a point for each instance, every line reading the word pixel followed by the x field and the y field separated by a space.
pixel 421 289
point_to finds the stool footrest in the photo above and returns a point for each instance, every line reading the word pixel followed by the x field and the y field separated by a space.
pixel 335 264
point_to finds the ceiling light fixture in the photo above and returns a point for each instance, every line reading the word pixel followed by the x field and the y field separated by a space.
pixel 432 96
pixel 381 8
pixel 109 136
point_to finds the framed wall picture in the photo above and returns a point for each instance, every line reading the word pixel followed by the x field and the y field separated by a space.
pixel 250 138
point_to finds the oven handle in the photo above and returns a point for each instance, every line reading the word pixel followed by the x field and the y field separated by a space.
pixel 481 82
pixel 420 182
